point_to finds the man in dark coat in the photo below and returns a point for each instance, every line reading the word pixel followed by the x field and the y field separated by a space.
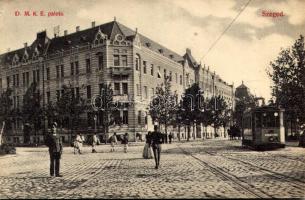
pixel 53 141
pixel 156 140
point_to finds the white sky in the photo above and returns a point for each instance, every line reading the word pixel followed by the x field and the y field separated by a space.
pixel 243 53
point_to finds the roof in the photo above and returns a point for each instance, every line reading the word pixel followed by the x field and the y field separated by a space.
pixel 190 58
pixel 242 86
pixel 87 36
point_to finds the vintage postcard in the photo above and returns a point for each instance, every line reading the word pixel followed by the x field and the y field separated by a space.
pixel 152 99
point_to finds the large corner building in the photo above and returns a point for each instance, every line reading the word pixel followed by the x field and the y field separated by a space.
pixel 109 53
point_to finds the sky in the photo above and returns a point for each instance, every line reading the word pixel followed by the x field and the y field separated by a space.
pixel 243 53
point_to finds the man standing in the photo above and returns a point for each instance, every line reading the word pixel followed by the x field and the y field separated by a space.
pixel 113 141
pixel 125 142
pixel 156 141
pixel 54 143
pixel 94 142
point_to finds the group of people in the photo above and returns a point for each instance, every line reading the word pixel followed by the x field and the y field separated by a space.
pixel 53 141
pixel 234 131
pixel 153 146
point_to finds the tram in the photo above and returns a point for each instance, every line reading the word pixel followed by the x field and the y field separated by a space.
pixel 263 128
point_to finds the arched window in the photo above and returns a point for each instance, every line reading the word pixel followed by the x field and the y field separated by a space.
pixel 138 62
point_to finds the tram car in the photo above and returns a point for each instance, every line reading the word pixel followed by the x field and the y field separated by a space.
pixel 263 128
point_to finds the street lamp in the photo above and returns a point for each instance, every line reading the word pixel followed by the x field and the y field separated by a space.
pixel 95 118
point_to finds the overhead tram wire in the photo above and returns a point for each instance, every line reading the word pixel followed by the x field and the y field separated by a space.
pixel 225 30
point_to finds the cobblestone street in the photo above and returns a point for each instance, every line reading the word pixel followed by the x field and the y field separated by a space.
pixel 206 169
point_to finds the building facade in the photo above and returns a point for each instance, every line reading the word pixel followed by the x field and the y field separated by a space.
pixel 110 53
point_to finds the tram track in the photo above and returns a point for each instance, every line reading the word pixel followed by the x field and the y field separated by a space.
pixel 274 174
pixel 246 187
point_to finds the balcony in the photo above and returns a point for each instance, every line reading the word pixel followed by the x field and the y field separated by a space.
pixel 120 71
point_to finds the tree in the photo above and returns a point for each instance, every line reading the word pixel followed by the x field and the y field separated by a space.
pixel 287 73
pixel 32 112
pixel 241 104
pixel 192 107
pixel 5 110
pixel 219 112
pixel 162 107
pixel 104 106
pixel 69 107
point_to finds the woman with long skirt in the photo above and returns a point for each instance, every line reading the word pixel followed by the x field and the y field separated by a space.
pixel 147 151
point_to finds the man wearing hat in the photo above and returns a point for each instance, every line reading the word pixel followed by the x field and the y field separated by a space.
pixel 53 141
pixel 156 140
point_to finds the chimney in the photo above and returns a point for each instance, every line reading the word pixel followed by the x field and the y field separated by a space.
pixel 25 45
pixel 65 32
pixel 77 28
pixel 92 24
pixel 188 51
pixel 41 35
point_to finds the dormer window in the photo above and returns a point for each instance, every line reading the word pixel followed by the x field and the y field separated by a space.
pixel 15 60
pixel 161 50
pixel 171 56
pixel 99 38
pixel 148 44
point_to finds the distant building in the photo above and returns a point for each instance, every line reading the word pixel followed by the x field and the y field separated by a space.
pixel 109 53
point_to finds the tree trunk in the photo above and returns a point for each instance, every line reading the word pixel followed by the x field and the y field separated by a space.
pixel 1 133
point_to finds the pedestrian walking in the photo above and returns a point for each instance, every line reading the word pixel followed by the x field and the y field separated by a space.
pixel 302 139
pixel 95 141
pixel 113 141
pixel 53 141
pixel 156 140
pixel 78 144
pixel 170 137
pixel 147 151
pixel 125 142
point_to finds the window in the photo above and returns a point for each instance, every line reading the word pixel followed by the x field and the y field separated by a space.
pixel 137 62
pixel 164 73
pixel 125 117
pixel 180 79
pixel 145 92
pixel 48 97
pixel 0 83
pixel 8 81
pixel 14 81
pixel 125 88
pixel 34 76
pixel 89 92
pixel 62 70
pixel 77 92
pixel 76 68
pixel 117 117
pixel 27 78
pixel 124 60
pixel 72 69
pixel 145 120
pixel 88 67
pixel 48 74
pixel 176 78
pixel 170 76
pixel 144 67
pixel 23 79
pixel 100 62
pixel 17 79
pixel 57 94
pixel 152 69
pixel 139 117
pixel 138 90
pixel 57 71
pixel 152 91
pixel 116 60
pixel 116 89
pixel 37 75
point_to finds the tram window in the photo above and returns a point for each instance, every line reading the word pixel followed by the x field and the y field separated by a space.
pixel 270 120
pixel 258 120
